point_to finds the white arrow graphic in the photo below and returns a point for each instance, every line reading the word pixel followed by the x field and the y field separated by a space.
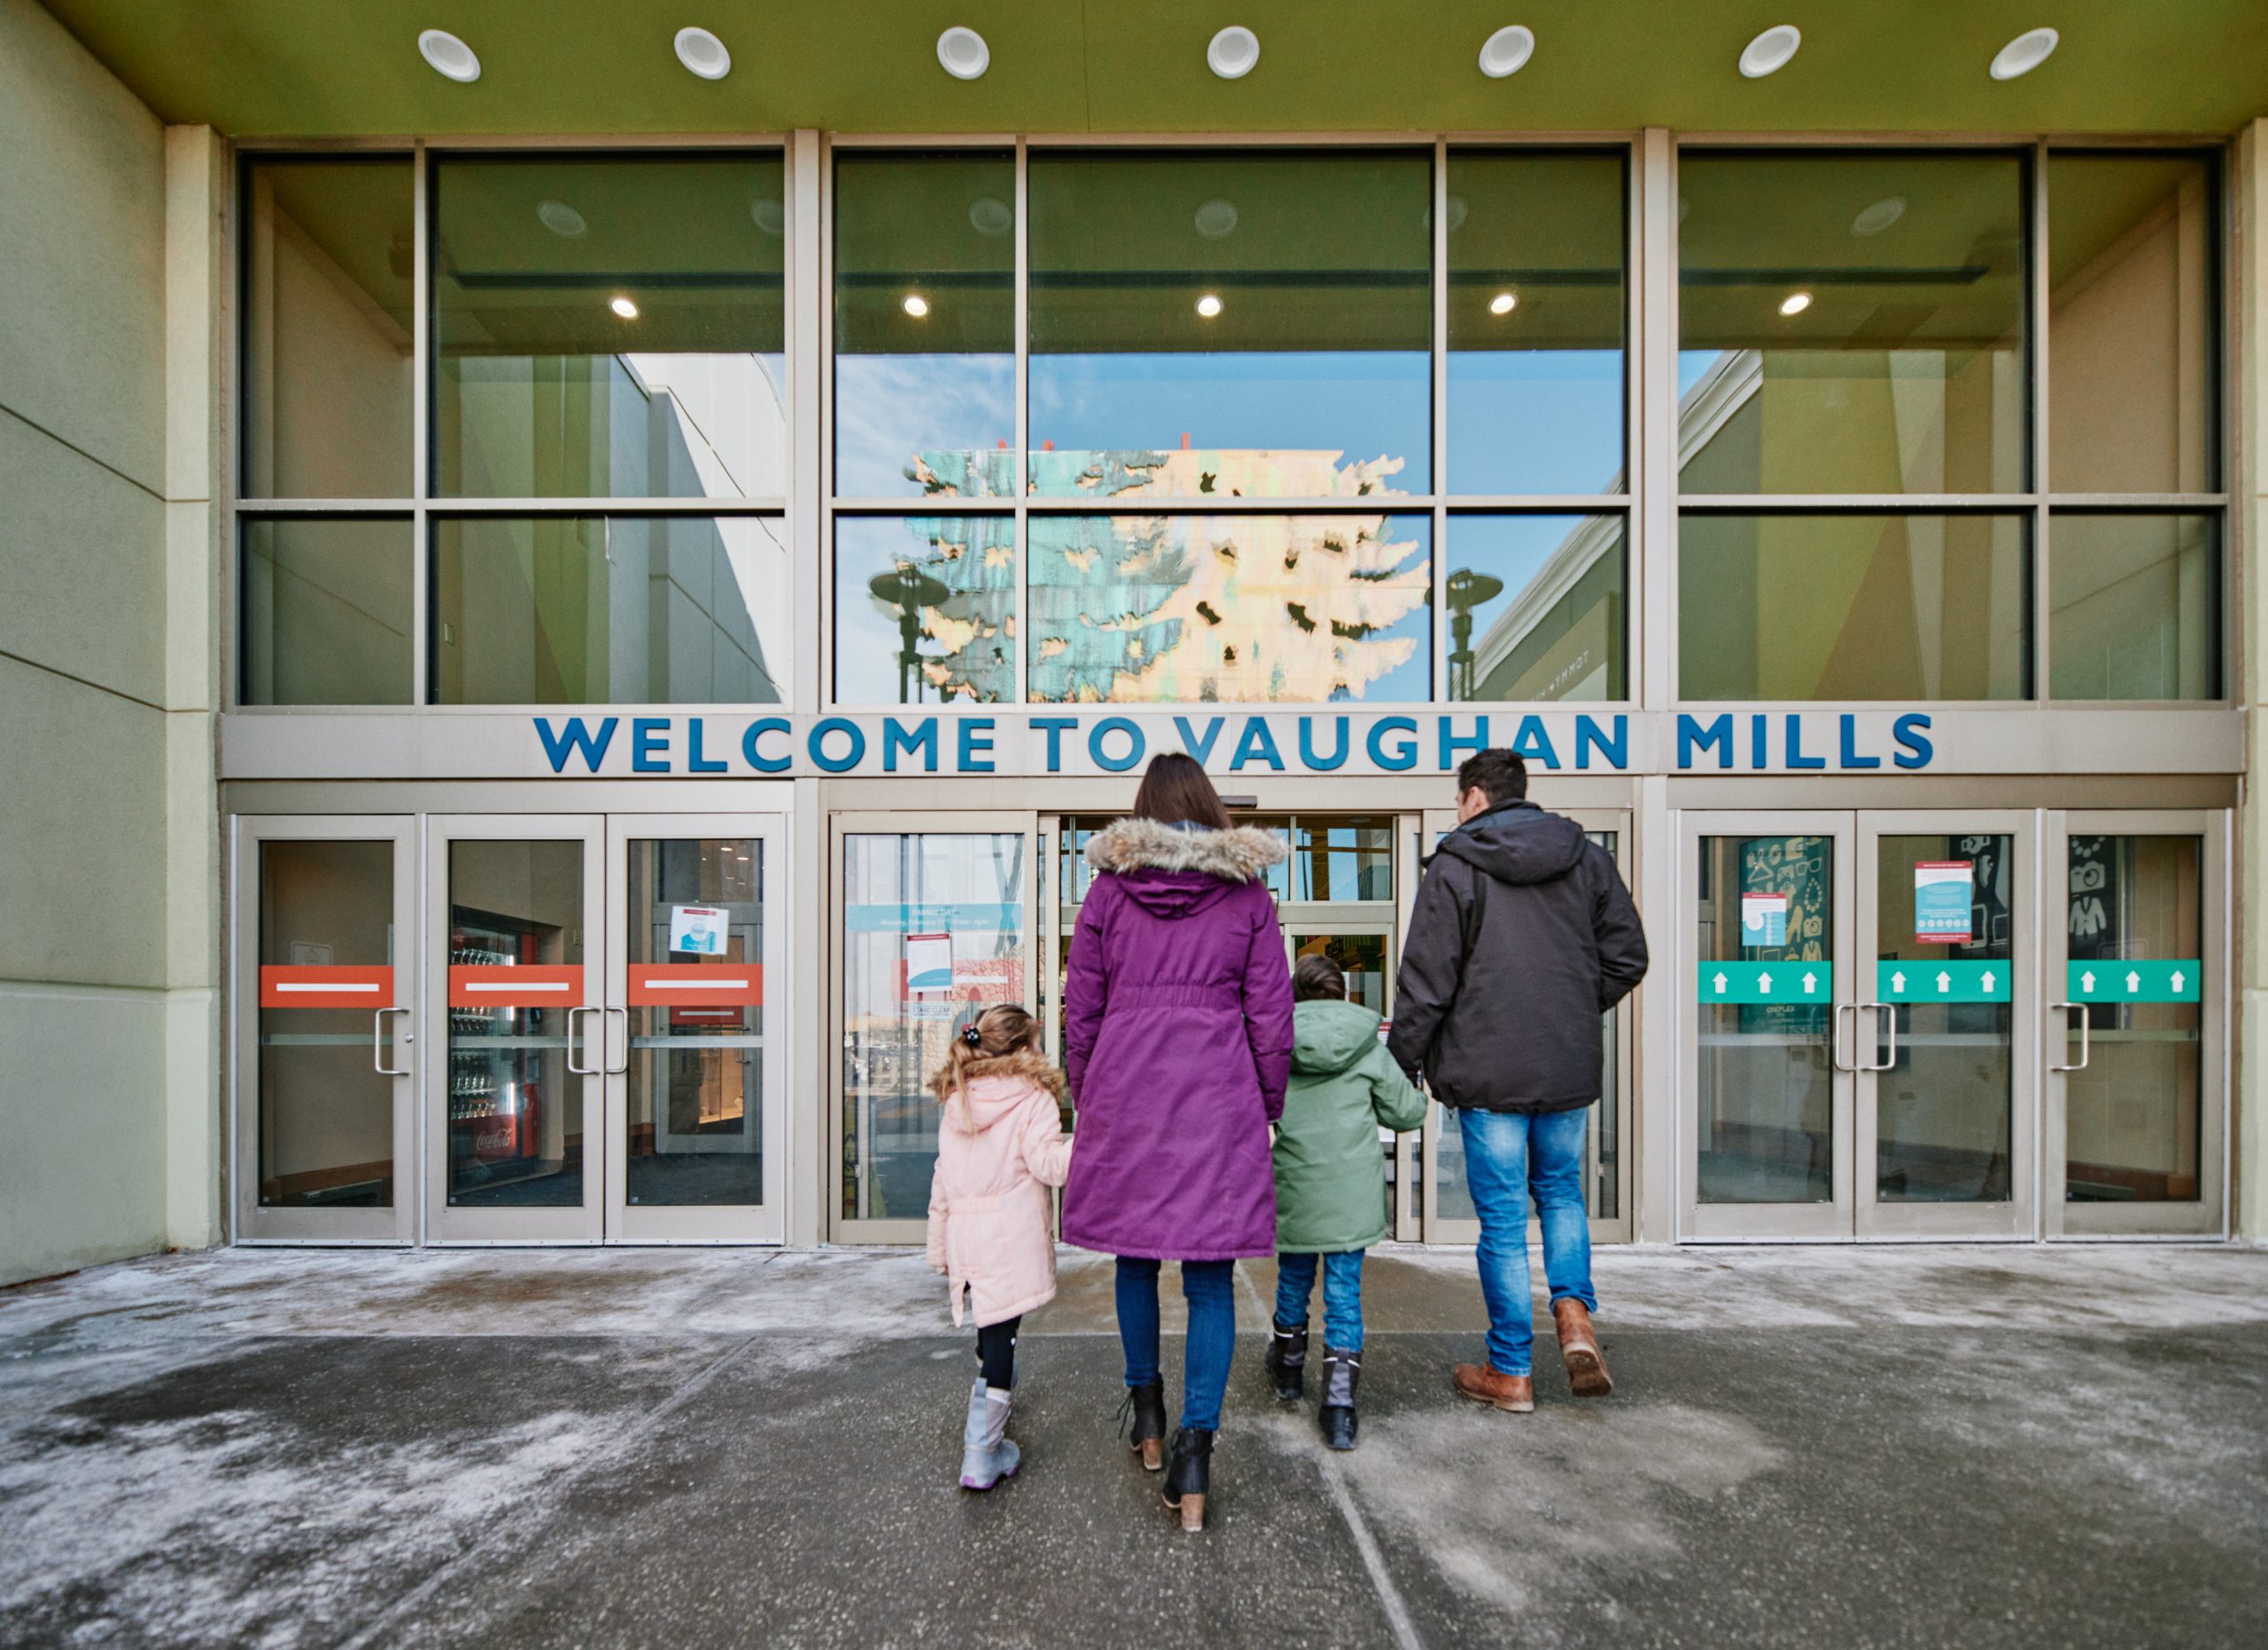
pixel 2133 980
pixel 1811 983
pixel 1897 981
pixel 1988 979
pixel 1763 982
pixel 1945 980
pixel 2086 981
pixel 2177 979
pixel 1721 984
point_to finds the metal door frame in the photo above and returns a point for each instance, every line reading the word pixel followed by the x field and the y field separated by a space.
pixel 765 1223
pixel 543 1225
pixel 2207 1217
pixel 253 1222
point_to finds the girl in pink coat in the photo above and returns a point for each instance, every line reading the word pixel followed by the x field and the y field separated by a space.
pixel 1001 1146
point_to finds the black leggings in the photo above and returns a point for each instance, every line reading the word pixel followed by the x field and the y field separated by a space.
pixel 996 1351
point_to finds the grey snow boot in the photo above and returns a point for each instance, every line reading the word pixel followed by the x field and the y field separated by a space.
pixel 986 1455
pixel 1287 1359
pixel 1336 1414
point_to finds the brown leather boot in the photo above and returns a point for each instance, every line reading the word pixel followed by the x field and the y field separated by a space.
pixel 1586 1367
pixel 1483 1384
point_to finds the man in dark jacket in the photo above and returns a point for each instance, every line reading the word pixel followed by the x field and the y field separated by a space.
pixel 1522 937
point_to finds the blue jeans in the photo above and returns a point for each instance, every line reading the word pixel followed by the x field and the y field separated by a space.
pixel 1342 1295
pixel 1507 1157
pixel 1209 1289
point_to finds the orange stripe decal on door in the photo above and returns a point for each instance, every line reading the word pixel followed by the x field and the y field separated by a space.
pixel 533 985
pixel 304 986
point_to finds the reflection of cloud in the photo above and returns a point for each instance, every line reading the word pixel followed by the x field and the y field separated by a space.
pixel 889 408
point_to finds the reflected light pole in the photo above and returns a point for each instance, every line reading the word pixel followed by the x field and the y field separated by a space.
pixel 1467 591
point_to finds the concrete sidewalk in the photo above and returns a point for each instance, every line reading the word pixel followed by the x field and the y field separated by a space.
pixel 1899 1446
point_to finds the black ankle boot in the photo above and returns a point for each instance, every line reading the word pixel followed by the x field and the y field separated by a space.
pixel 1143 1418
pixel 1336 1416
pixel 1287 1361
pixel 1188 1477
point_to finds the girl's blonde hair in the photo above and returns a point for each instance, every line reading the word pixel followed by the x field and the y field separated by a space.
pixel 999 1032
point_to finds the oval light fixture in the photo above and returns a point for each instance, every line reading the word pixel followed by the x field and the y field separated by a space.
pixel 1795 303
pixel 1875 219
pixel 703 53
pixel 1769 52
pixel 770 216
pixel 622 305
pixel 1209 306
pixel 2026 52
pixel 1232 53
pixel 1507 51
pixel 1503 303
pixel 448 55
pixel 1216 219
pixel 915 304
pixel 963 53
pixel 992 217
pixel 561 218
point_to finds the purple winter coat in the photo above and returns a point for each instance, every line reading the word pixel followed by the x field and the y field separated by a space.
pixel 1179 1039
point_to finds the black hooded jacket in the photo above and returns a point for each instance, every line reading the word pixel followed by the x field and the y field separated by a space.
pixel 1522 936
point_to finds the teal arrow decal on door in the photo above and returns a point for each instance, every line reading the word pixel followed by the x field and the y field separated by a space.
pixel 2118 979
pixel 1947 979
pixel 1799 983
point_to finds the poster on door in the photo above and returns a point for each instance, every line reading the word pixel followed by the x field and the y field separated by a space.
pixel 698 930
pixel 1763 921
pixel 929 963
pixel 1943 907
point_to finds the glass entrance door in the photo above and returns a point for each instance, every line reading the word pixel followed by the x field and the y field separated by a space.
pixel 697 987
pixel 1855 1025
pixel 2137 997
pixel 326 1030
pixel 513 1089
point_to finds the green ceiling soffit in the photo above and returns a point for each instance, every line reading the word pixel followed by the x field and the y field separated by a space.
pixel 346 67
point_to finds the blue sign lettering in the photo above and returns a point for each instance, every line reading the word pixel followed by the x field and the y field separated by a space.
pixel 575 737
pixel 923 739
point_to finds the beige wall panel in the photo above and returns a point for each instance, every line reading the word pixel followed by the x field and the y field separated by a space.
pixel 83 884
pixel 82 1090
pixel 82 195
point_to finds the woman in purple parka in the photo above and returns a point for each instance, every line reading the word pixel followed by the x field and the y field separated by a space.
pixel 1179 1043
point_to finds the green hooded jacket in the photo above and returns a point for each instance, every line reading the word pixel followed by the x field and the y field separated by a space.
pixel 1330 1167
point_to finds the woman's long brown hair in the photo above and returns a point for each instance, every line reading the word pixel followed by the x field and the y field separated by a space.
pixel 1174 790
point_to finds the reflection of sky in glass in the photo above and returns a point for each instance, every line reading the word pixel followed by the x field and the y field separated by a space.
pixel 1365 404
pixel 1571 646
pixel 890 408
pixel 1693 365
pixel 966 634
pixel 1536 421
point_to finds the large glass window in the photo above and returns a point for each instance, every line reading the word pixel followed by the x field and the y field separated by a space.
pixel 1851 323
pixel 327 611
pixel 925 608
pixel 2133 605
pixel 1856 606
pixel 1535 366
pixel 1536 607
pixel 1251 322
pixel 609 327
pixel 327 346
pixel 925 325
pixel 587 610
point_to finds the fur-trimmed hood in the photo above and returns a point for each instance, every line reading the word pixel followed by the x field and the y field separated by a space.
pixel 1238 854
pixel 999 1079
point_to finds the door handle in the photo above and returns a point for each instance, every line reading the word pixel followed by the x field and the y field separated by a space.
pixel 1834 1043
pixel 379 1042
pixel 1890 1008
pixel 571 1066
pixel 2065 1008
pixel 624 1066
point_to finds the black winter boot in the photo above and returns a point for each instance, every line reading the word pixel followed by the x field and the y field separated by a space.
pixel 1189 1475
pixel 1143 1419
pixel 1336 1416
pixel 1287 1361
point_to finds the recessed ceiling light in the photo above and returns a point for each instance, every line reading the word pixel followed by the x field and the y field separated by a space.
pixel 1503 303
pixel 1795 303
pixel 963 53
pixel 703 53
pixel 623 307
pixel 1232 53
pixel 561 218
pixel 1208 305
pixel 770 216
pixel 1216 219
pixel 1879 216
pixel 2026 52
pixel 991 217
pixel 1507 51
pixel 916 305
pixel 448 55
pixel 1769 52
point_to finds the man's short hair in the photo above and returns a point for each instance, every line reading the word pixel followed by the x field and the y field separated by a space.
pixel 1318 979
pixel 1496 773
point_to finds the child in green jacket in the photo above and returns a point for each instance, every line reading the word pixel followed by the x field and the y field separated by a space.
pixel 1330 1184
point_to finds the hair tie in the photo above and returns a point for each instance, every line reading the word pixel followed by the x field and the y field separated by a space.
pixel 970 1035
